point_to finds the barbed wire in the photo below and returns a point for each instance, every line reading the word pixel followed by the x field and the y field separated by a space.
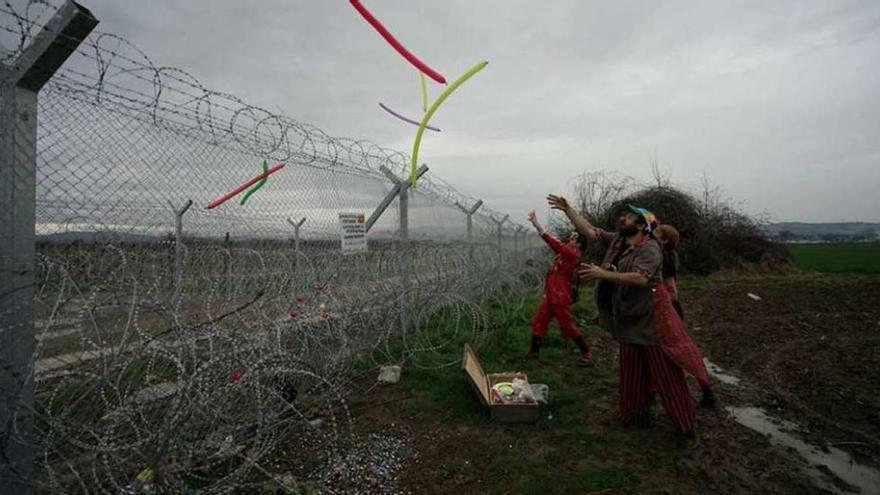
pixel 193 363
pixel 174 99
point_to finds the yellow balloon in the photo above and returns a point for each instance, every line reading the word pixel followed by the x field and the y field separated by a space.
pixel 424 93
pixel 427 117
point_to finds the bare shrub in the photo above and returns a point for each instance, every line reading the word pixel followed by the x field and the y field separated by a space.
pixel 715 233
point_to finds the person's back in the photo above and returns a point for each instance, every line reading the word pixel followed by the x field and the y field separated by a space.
pixel 677 341
pixel 669 238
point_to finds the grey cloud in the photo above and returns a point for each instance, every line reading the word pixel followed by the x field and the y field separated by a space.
pixel 777 102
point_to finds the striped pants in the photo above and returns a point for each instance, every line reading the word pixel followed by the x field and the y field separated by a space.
pixel 644 368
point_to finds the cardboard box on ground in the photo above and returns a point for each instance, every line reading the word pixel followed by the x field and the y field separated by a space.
pixel 519 412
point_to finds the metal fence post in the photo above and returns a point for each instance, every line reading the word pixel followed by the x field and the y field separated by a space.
pixel 401 189
pixel 469 212
pixel 403 209
pixel 500 225
pixel 296 226
pixel 20 84
pixel 227 265
pixel 178 245
pixel 377 213
pixel 516 235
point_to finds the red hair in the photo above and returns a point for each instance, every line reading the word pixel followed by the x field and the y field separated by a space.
pixel 670 234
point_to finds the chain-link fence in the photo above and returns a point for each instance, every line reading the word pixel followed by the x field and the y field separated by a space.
pixel 158 342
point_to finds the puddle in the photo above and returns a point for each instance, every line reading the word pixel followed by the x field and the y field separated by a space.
pixel 863 478
pixel 718 373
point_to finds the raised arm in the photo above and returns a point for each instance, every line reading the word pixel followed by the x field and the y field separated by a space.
pixel 581 224
pixel 593 272
pixel 645 269
pixel 551 241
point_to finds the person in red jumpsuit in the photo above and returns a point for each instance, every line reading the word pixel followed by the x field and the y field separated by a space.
pixel 557 301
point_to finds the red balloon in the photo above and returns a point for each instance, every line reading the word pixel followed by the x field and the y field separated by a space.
pixel 219 201
pixel 396 44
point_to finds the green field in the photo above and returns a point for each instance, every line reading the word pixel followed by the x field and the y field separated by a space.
pixel 837 258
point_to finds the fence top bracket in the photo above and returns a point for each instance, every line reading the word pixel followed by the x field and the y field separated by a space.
pixel 52 46
pixel 298 224
pixel 472 209
pixel 500 222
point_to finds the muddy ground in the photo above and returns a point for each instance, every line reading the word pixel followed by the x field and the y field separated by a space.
pixel 810 347
pixel 807 352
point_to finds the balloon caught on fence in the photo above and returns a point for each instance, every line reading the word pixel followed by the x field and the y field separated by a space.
pixel 219 201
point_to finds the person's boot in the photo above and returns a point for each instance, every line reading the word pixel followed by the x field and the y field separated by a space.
pixel 534 347
pixel 687 439
pixel 709 400
pixel 586 358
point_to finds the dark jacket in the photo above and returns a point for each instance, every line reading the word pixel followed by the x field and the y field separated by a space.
pixel 624 310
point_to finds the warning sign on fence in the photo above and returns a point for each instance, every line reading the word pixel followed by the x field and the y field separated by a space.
pixel 352 228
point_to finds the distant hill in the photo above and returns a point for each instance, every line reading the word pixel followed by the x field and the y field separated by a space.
pixel 68 237
pixel 823 232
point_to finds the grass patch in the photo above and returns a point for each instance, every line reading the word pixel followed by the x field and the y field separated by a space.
pixel 863 258
pixel 574 448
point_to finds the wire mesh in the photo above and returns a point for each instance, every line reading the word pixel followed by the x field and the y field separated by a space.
pixel 190 360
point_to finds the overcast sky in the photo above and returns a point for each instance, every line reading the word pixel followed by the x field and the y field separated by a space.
pixel 777 102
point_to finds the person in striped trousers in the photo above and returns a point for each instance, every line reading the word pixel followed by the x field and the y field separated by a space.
pixel 625 283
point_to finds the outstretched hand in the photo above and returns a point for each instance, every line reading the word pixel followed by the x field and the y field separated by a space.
pixel 591 272
pixel 558 202
pixel 533 218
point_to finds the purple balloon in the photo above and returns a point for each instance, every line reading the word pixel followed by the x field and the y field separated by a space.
pixel 401 117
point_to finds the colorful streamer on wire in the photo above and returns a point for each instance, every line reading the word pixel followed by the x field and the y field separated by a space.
pixel 226 197
pixel 430 113
pixel 403 118
pixel 370 18
pixel 258 186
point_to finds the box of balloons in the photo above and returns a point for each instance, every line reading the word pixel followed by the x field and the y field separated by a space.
pixel 507 397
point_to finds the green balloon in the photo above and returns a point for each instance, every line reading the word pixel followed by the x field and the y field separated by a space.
pixel 258 185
